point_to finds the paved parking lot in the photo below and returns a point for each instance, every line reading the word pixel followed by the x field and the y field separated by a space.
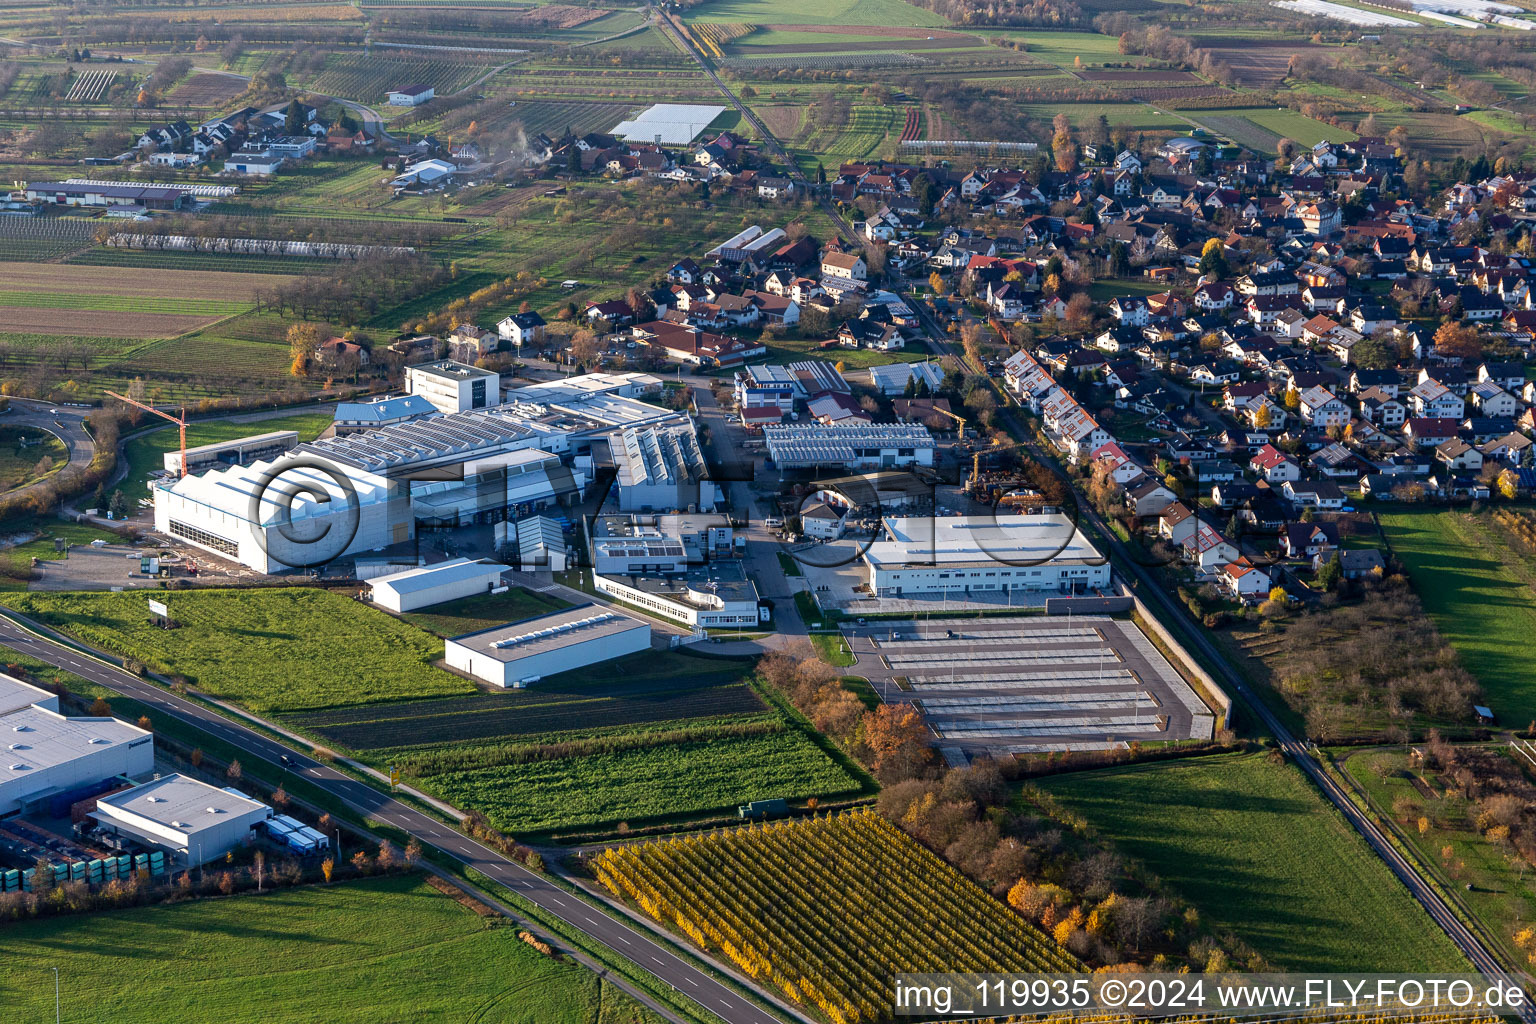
pixel 1004 686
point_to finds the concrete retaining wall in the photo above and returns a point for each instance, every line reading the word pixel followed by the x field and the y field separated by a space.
pixel 1205 684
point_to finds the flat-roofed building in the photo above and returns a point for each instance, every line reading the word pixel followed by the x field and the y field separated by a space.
pixel 546 645
pixel 193 821
pixel 1045 552
pixel 720 596
pixel 235 452
pixel 434 584
pixel 48 755
pixel 366 488
pixel 17 694
pixel 454 387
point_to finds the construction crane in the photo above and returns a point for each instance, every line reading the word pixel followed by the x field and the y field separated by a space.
pixel 180 421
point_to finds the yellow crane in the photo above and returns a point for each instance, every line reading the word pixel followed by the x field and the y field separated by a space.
pixel 180 421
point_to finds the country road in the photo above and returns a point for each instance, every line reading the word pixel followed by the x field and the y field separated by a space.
pixel 67 423
pixel 363 799
pixel 1147 587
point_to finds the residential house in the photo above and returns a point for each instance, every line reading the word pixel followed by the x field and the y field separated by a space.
pixel 1382 409
pixel 522 329
pixel 1207 549
pixel 1426 432
pixel 1492 400
pixel 1430 399
pixel 1305 540
pixel 1177 523
pixel 1457 454
pixel 1150 498
pixel 1321 409
pixel 1247 583
pixel 847 265
pixel 1319 494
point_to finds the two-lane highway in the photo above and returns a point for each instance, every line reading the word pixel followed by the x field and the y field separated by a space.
pixel 364 800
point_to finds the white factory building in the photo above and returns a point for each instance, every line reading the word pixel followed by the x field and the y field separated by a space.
pixel 546 645
pixel 661 468
pixel 966 553
pixel 48 755
pixel 193 821
pixel 434 584
pixel 16 694
pixel 854 446
pixel 453 387
pixel 368 489
pixel 719 596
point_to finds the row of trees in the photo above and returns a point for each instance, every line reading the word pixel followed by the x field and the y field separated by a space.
pixel 965 815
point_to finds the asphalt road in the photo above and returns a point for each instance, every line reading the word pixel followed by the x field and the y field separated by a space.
pixel 67 423
pixel 365 800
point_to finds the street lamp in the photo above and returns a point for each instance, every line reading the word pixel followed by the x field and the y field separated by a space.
pixel 55 995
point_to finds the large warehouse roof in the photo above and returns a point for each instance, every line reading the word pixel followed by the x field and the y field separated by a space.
pixel 413 581
pixel 677 124
pixel 954 541
pixel 37 738
pixel 657 455
pixel 424 440
pixel 828 445
pixel 16 694
pixel 541 634
pixel 181 803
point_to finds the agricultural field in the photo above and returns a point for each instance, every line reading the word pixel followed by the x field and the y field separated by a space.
pixel 1476 586
pixel 112 302
pixel 810 12
pixel 553 117
pixel 1065 49
pixel 1261 128
pixel 44 238
pixel 640 689
pixel 281 651
pixel 1250 843
pixel 682 734
pixel 1136 116
pixel 207 90
pixel 383 949
pixel 145 453
pixel 828 910
pixel 655 782
pixel 22 450
pixel 368 79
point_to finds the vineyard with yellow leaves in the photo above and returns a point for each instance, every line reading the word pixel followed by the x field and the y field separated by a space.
pixel 714 37
pixel 829 910
pixel 1519 526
